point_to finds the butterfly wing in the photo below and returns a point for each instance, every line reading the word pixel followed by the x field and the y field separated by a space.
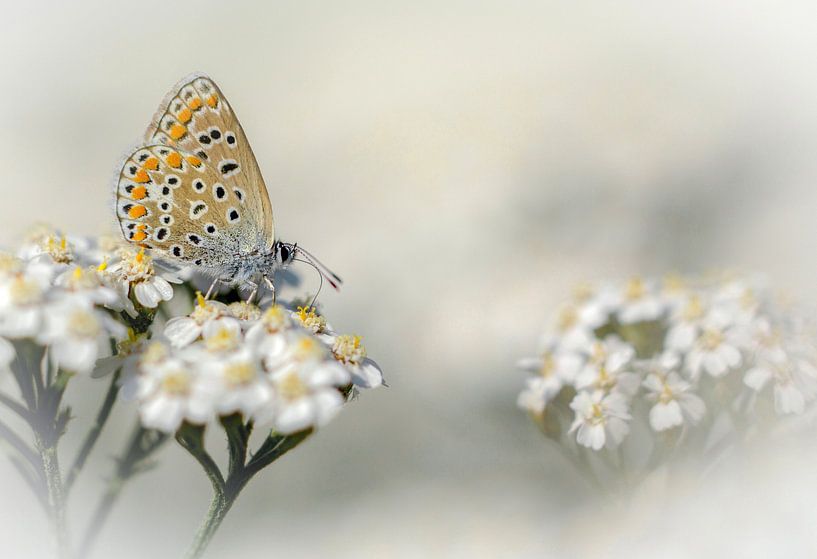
pixel 196 121
pixel 185 208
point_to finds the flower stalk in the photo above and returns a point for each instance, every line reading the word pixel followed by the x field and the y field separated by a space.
pixel 240 471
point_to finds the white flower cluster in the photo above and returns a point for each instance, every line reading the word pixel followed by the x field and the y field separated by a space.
pixel 675 351
pixel 61 293
pixel 51 294
pixel 283 370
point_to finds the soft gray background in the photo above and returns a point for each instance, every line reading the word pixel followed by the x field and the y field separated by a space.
pixel 461 165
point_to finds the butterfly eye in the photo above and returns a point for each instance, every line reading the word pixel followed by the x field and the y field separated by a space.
pixel 284 253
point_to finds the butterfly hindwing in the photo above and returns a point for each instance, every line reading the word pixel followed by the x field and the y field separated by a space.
pixel 196 117
pixel 183 208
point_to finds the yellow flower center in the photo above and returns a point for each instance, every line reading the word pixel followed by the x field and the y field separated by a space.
pixel 59 251
pixel 154 353
pixel 748 301
pixel 274 318
pixel 223 340
pixel 176 383
pixel 137 267
pixel 9 263
pixel 596 414
pixel 567 319
pixel 307 348
pixel 204 310
pixel 24 291
pixel 711 339
pixel 237 374
pixel 243 310
pixel 292 387
pixel 673 283
pixel 80 279
pixel 548 365
pixel 635 289
pixel 129 345
pixel 348 349
pixel 311 320
pixel 693 310
pixel 666 395
pixel 83 324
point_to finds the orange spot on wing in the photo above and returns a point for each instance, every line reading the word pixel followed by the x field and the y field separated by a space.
pixel 151 164
pixel 194 103
pixel 141 176
pixel 184 116
pixel 139 192
pixel 140 236
pixel 174 160
pixel 212 101
pixel 177 131
pixel 137 211
pixel 193 160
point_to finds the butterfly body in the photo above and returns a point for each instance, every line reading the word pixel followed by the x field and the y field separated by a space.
pixel 194 194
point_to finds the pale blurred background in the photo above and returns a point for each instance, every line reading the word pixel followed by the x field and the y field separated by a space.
pixel 461 165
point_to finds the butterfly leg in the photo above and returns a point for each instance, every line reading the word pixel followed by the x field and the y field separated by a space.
pixel 271 287
pixel 254 291
pixel 212 288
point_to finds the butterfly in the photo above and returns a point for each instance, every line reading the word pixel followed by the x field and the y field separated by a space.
pixel 193 194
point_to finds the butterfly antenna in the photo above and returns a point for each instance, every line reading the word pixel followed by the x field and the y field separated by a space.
pixel 325 272
pixel 320 285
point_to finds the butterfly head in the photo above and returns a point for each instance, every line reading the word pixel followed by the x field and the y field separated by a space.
pixel 286 253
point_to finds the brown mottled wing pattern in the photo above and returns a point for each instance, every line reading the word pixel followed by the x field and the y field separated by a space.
pixel 195 193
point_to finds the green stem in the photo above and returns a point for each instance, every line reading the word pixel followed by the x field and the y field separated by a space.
pixel 93 434
pixel 225 492
pixel 56 495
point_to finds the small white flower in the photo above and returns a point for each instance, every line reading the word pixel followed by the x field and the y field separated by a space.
pixel 183 330
pixel 794 379
pixel 76 333
pixel 553 371
pixel 87 284
pixel 686 323
pixel 573 331
pixel 268 333
pixel 23 299
pixel 222 334
pixel 739 299
pixel 674 401
pixel 600 420
pixel 135 355
pixel 244 311
pixel 306 382
pixel 236 382
pixel 609 368
pixel 50 249
pixel 715 350
pixel 640 303
pixel 351 352
pixel 136 270
pixel 170 393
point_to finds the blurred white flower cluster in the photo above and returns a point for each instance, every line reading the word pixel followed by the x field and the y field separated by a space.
pixel 694 362
pixel 280 369
pixel 59 292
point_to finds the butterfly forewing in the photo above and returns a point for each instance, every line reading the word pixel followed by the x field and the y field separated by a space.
pixel 195 192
